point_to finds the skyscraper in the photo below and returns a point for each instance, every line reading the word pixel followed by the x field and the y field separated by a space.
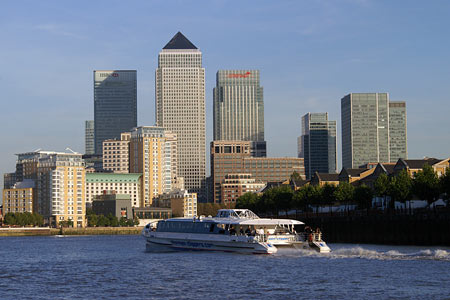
pixel 89 140
pixel 318 141
pixel 180 107
pixel 366 129
pixel 397 130
pixel 239 108
pixel 115 104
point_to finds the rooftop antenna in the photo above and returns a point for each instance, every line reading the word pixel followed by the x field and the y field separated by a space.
pixel 71 150
pixel 37 150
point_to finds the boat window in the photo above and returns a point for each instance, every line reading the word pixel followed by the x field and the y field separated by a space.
pixel 186 227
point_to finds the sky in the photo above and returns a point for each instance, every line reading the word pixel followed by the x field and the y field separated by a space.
pixel 310 54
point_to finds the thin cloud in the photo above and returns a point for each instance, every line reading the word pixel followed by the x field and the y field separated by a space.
pixel 58 30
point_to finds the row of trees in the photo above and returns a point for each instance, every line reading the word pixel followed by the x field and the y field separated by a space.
pixel 425 185
pixel 109 220
pixel 308 197
pixel 23 219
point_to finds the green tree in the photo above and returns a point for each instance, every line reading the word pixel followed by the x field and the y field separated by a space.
pixel 92 220
pixel 426 184
pixel 299 199
pixel 295 176
pixel 102 221
pixel 400 188
pixel 248 200
pixel 381 185
pixel 328 197
pixel 268 201
pixel 283 198
pixel 306 196
pixel 444 182
pixel 123 222
pixel 38 220
pixel 27 218
pixel 10 219
pixel 113 222
pixel 344 193
pixel 21 219
pixel 363 196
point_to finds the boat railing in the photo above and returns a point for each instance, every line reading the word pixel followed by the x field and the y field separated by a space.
pixel 311 237
pixel 262 238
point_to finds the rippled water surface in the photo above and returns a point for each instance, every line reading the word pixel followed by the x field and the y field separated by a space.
pixel 117 267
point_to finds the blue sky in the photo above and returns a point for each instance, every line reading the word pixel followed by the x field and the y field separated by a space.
pixel 310 53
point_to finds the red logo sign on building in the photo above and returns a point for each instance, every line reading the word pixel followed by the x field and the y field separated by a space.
pixel 115 74
pixel 239 75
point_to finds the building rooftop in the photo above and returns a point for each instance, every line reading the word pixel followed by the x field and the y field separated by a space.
pixel 112 177
pixel 355 172
pixel 328 176
pixel 179 41
pixel 388 167
pixel 419 163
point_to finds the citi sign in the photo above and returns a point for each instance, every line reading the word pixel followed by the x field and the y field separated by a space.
pixel 245 75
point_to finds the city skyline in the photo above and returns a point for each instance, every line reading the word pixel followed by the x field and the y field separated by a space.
pixel 289 93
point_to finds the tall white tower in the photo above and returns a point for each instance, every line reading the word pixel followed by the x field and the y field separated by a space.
pixel 180 107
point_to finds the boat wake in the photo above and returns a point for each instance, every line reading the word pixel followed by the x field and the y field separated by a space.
pixel 366 253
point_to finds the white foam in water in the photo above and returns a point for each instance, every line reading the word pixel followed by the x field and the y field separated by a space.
pixel 364 253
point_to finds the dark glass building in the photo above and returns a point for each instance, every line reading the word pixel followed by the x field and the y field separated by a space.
pixel 239 108
pixel 318 144
pixel 115 104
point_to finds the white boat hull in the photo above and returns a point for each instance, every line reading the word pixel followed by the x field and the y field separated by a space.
pixel 174 243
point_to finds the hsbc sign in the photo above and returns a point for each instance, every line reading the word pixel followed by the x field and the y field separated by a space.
pixel 245 75
pixel 109 74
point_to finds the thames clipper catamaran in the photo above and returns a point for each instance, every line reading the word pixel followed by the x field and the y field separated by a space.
pixel 232 230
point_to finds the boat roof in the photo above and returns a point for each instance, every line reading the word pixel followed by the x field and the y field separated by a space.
pixel 257 222
pixel 239 221
pixel 239 217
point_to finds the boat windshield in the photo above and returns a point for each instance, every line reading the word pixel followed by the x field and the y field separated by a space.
pixel 236 213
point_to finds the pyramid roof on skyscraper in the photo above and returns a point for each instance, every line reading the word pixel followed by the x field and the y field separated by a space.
pixel 179 41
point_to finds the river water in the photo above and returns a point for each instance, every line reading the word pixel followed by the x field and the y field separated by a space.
pixel 117 267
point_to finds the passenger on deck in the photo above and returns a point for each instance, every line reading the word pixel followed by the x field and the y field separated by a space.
pixel 248 232
pixel 261 231
pixel 241 230
pixel 308 233
pixel 232 230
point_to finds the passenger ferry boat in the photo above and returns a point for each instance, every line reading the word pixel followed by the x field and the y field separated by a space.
pixel 232 230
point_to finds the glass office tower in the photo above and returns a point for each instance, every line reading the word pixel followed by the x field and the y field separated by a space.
pixel 397 130
pixel 89 139
pixel 115 104
pixel 367 135
pixel 239 108
pixel 318 142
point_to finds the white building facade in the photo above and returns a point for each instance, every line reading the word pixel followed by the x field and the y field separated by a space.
pixel 180 107
pixel 101 183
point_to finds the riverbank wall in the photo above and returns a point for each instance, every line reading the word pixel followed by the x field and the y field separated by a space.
pixel 419 229
pixel 26 231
